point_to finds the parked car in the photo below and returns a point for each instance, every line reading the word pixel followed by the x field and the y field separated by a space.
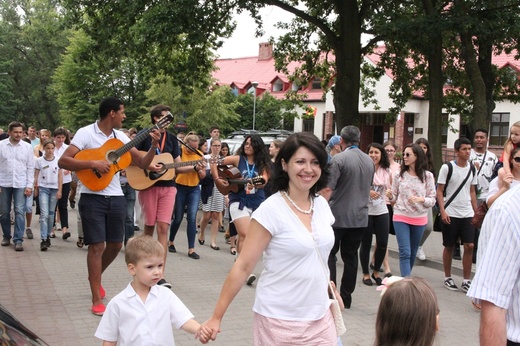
pixel 13 332
pixel 236 138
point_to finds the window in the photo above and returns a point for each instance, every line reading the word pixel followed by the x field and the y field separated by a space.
pixel 295 86
pixel 499 128
pixel 316 83
pixel 278 85
pixel 308 125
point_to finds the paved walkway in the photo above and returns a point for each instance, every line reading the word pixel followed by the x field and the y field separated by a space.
pixel 49 292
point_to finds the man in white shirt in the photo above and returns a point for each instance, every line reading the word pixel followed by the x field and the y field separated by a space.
pixel 496 286
pixel 484 162
pixel 103 212
pixel 16 183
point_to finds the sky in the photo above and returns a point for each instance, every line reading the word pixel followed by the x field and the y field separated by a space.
pixel 243 43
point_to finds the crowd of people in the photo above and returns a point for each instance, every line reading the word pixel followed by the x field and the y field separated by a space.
pixel 290 206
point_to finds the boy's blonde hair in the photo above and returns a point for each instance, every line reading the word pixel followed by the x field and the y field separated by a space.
pixel 140 247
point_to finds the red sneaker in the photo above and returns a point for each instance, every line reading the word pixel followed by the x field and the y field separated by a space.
pixel 98 310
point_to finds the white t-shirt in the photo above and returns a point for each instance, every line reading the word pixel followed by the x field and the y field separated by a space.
pixel 129 321
pixel 293 284
pixel 91 137
pixel 461 206
pixel 49 170
pixel 67 178
pixel 485 172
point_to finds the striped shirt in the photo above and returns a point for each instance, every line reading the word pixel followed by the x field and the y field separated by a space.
pixel 497 279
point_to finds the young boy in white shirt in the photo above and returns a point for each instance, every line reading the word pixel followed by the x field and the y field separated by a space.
pixel 144 313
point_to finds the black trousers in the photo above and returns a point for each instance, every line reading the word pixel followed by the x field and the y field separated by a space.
pixel 347 241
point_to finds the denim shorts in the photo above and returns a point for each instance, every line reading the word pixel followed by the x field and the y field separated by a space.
pixel 103 218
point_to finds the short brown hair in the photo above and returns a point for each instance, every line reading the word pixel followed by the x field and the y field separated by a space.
pixel 142 246
pixel 407 314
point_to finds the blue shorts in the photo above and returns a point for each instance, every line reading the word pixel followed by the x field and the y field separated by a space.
pixel 103 218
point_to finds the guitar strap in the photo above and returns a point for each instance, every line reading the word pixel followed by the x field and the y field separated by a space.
pixel 189 146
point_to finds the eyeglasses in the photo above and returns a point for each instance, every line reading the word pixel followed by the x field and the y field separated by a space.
pixel 390 150
pixel 408 154
pixel 517 159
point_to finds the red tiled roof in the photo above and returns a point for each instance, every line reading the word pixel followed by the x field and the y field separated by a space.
pixel 242 71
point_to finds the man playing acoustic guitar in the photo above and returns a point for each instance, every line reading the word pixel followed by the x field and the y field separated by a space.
pixel 103 211
pixel 158 200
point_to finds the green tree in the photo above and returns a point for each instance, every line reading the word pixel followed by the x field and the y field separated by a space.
pixel 85 77
pixel 32 37
pixel 151 28
pixel 201 109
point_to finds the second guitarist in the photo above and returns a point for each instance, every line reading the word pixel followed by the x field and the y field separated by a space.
pixel 158 201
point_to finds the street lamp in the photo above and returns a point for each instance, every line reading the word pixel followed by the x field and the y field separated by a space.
pixel 254 84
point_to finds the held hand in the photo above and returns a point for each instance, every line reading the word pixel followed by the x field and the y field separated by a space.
pixel 213 325
pixel 389 194
pixel 28 192
pixel 204 334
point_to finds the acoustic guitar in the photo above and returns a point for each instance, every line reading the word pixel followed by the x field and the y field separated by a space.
pixel 141 179
pixel 116 153
pixel 234 179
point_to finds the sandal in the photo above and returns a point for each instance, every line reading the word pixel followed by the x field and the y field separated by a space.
pixel 233 250
pixel 214 247
pixel 80 242
pixel 53 235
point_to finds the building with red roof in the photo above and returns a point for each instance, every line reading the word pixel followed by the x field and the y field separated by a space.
pixel 241 73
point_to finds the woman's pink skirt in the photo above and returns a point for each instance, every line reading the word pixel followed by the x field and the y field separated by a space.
pixel 274 332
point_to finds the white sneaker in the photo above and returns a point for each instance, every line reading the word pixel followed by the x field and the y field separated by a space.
pixel 420 254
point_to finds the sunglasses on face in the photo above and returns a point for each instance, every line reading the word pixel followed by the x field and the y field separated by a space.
pixel 517 159
pixel 408 154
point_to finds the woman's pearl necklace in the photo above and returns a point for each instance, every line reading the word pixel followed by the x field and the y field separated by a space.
pixel 298 208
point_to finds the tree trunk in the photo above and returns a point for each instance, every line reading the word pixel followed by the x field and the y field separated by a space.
pixel 347 50
pixel 435 93
pixel 478 95
pixel 485 64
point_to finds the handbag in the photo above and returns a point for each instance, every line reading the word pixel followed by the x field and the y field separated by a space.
pixel 336 314
pixel 339 323
pixel 478 218
pixel 437 227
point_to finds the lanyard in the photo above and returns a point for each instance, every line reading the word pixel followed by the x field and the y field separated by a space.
pixel 251 172
pixel 162 145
